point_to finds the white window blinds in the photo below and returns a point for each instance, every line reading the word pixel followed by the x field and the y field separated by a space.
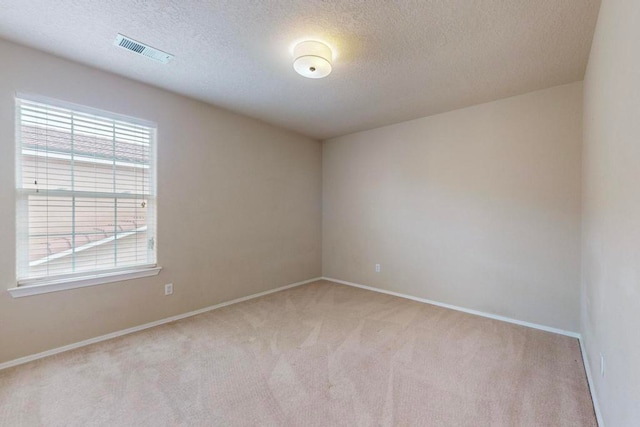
pixel 86 192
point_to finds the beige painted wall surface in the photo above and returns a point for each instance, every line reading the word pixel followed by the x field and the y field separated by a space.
pixel 239 207
pixel 611 227
pixel 478 207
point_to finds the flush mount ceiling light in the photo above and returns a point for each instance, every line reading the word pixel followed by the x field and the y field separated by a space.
pixel 312 59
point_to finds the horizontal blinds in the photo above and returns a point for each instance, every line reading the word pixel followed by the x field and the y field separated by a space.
pixel 86 199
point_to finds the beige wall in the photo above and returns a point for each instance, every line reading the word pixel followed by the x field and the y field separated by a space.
pixel 478 207
pixel 239 205
pixel 611 227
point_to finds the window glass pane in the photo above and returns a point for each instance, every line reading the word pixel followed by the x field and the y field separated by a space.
pixel 85 191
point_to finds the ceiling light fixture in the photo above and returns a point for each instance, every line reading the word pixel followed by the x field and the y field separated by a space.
pixel 312 59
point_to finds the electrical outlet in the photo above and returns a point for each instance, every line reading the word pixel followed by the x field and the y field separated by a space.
pixel 168 289
pixel 601 365
pixel 377 268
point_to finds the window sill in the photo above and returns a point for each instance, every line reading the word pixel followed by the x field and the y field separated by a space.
pixel 47 286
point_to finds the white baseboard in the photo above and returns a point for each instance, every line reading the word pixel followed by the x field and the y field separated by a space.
pixel 73 346
pixel 592 386
pixel 457 308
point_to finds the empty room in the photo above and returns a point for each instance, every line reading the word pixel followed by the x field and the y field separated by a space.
pixel 320 213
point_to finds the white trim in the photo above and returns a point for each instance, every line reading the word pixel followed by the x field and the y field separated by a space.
pixel 116 334
pixel 592 385
pixel 83 281
pixel 457 308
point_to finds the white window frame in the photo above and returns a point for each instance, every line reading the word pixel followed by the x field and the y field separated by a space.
pixel 28 286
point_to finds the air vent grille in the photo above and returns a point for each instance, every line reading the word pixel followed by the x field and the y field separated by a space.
pixel 142 49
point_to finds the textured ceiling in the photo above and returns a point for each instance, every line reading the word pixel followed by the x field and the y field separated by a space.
pixel 396 60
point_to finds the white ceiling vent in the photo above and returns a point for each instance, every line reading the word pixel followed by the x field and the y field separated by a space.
pixel 142 49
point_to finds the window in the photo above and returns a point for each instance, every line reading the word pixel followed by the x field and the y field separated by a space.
pixel 85 192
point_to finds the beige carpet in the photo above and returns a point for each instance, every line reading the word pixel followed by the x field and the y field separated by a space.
pixel 318 355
